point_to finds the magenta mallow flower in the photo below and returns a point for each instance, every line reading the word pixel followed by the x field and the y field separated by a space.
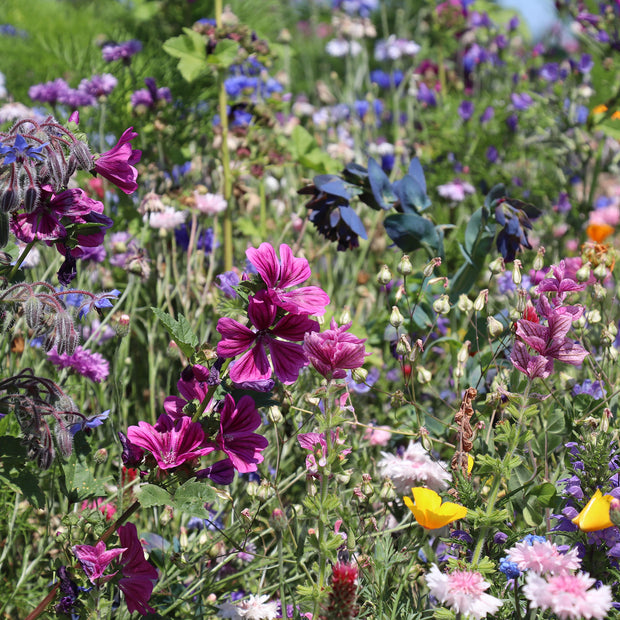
pixel 171 442
pixel 192 386
pixel 95 560
pixel 237 437
pixel 271 335
pixel 316 443
pixel 282 274
pixel 334 350
pixel 139 575
pixel 117 164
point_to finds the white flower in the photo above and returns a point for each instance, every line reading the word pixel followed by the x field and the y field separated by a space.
pixel 414 467
pixel 210 204
pixel 257 608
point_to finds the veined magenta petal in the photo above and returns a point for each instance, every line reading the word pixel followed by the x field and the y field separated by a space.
pixel 288 359
pixel 304 300
pixel 251 366
pixel 261 311
pixel 236 338
pixel 293 270
pixel 294 327
pixel 266 262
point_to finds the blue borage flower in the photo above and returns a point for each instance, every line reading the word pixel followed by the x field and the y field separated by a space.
pixel 20 150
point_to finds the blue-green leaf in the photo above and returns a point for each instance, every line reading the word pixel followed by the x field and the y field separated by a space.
pixel 410 232
pixel 380 184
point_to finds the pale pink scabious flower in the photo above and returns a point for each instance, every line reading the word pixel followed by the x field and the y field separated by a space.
pixel 254 608
pixel 464 591
pixel 209 204
pixel 568 596
pixel 334 351
pixel 414 468
pixel 378 435
pixel 168 219
pixel 543 557
pixel 456 190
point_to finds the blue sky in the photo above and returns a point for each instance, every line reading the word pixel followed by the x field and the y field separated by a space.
pixel 540 14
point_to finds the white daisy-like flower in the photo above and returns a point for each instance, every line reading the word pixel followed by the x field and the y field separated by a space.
pixel 168 219
pixel 414 468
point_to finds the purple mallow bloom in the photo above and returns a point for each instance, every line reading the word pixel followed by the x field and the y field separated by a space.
pixel 279 337
pixel 334 351
pixel 237 438
pixel 117 164
pixel 171 442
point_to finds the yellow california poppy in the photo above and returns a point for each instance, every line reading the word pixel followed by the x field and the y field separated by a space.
pixel 595 515
pixel 428 510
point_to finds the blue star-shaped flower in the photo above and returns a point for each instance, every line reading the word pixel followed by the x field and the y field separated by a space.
pixel 20 150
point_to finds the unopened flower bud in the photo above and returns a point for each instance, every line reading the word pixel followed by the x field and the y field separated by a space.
pixel 613 353
pixel 344 477
pixel 33 311
pixel 480 302
pixel 31 198
pixel 397 399
pixel 606 417
pixel 278 520
pixel 251 488
pixel 497 266
pixel 4 229
pixel 600 271
pixel 430 267
pixel 400 291
pixel 465 304
pixel 403 346
pixel 396 318
pixel 539 261
pixel 442 305
pixel 423 375
pixel 264 491
pixel 494 327
pixel 521 301
pixel 359 375
pixel 463 355
pixel 580 323
pixel 345 316
pixel 101 456
pixel 367 488
pixel 9 200
pixel 82 154
pixel 387 492
pixel 274 414
pixel 405 267
pixel 64 328
pixel 384 276
pixel 593 316
pixel 599 292
pixel 64 440
pixel 583 273
pixel 516 272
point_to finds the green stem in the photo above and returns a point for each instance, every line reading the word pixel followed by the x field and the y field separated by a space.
pixel 21 259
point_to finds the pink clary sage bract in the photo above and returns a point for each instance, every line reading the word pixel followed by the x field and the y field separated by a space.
pixel 334 351
pixel 549 341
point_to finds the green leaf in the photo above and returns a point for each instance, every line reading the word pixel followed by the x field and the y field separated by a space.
pixel 410 231
pixel 305 149
pixel 26 483
pixel 79 482
pixel 225 54
pixel 180 331
pixel 152 495
pixel 191 498
pixel 545 493
pixel 191 51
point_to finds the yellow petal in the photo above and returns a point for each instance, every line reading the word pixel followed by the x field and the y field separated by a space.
pixel 595 515
pixel 428 510
pixel 470 463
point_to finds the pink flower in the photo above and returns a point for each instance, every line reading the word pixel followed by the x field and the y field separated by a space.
pixel 317 445
pixel 463 591
pixel 209 204
pixel 530 365
pixel 95 560
pixel 414 468
pixel 279 275
pixel 378 435
pixel 139 575
pixel 91 365
pixel 192 386
pixel 562 283
pixel 570 597
pixel 287 358
pixel 106 509
pixel 543 557
pixel 456 190
pixel 117 164
pixel 171 442
pixel 168 219
pixel 237 437
pixel 334 351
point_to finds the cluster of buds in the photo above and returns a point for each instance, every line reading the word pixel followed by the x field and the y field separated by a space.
pixel 38 154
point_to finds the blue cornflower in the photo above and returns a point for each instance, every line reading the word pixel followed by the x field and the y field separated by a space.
pixel 20 150
pixel 510 569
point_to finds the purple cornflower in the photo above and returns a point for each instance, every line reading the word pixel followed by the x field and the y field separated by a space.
pixel 426 95
pixel 91 365
pixel 592 388
pixel 562 204
pixel 139 575
pixel 237 438
pixel 95 560
pixel 334 351
pixel 487 115
pixel 49 92
pixel 466 109
pixel 287 358
pixel 171 442
pixel 117 164
pixel 492 154
pixel 98 85
pixel 227 281
pixel 121 51
pixel 282 274
pixel 151 96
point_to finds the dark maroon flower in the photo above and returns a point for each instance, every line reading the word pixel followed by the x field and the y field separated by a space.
pixel 139 575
